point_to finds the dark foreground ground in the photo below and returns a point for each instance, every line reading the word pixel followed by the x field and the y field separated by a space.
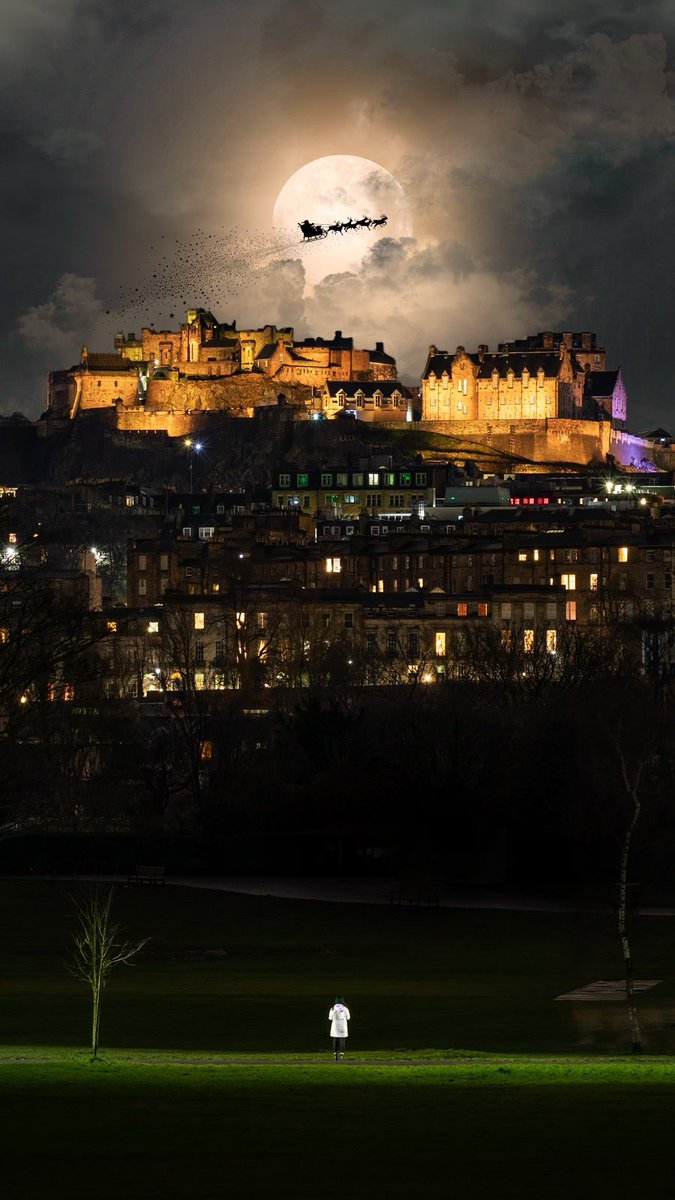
pixel 464 1077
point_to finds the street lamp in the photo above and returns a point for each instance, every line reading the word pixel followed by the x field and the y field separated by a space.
pixel 192 448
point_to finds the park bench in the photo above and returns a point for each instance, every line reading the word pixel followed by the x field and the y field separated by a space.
pixel 144 874
pixel 415 892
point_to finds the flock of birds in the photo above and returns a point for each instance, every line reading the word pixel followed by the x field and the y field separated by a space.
pixel 206 270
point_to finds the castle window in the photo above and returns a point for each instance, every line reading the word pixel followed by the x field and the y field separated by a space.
pixel 440 644
pixel 199 620
pixel 593 581
pixel 569 582
pixel 623 554
pixel 571 610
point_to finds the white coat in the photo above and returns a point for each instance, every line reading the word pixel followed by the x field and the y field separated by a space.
pixel 338 1016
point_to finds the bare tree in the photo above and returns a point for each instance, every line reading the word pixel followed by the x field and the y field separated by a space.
pixel 97 948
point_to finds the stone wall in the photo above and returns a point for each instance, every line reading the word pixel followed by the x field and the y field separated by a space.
pixel 553 440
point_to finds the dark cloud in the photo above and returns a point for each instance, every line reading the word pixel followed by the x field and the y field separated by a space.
pixel 535 146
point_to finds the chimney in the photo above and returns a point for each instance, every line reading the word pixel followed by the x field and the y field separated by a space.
pixel 84 356
pixel 432 350
pixel 379 347
pixel 338 335
pixel 482 351
pixel 546 341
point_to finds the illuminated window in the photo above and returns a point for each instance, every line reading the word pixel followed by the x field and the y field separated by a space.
pixel 111 626
pixel 528 640
pixel 440 644
pixel 200 681
pixel 302 480
pixel 153 626
pixel 623 553
pixel 569 582
pixel 571 610
pixel 333 566
pixel 462 609
pixel 206 749
pixel 199 620
pixel 68 691
pixel 482 608
pixel 11 538
pixel 551 640
pixel 241 620
pixel 507 638
pixel 593 581
pixel 522 556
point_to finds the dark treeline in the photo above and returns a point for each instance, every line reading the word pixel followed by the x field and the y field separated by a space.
pixel 522 766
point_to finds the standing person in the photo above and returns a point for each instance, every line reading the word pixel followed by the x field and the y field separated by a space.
pixel 338 1016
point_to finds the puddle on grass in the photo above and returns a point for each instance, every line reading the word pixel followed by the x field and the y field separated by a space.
pixel 601 1026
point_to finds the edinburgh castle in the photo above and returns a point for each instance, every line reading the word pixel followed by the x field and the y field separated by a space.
pixel 546 397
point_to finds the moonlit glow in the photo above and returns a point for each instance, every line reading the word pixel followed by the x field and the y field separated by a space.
pixel 335 188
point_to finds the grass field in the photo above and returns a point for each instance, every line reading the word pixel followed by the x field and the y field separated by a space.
pixel 464 1076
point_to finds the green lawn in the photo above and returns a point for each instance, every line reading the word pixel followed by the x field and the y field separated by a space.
pixel 231 1091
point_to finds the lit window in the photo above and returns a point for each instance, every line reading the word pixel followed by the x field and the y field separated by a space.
pixel 551 640
pixel 199 620
pixel 569 582
pixel 571 610
pixel 333 566
pixel 593 581
pixel 462 609
pixel 623 553
pixel 482 608
pixel 153 626
pixel 522 556
pixel 11 538
pixel 111 626
pixel 68 691
pixel 241 620
pixel 528 640
pixel 440 644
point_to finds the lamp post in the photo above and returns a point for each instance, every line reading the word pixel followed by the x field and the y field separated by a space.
pixel 192 447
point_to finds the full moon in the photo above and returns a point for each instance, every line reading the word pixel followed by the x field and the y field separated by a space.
pixel 332 189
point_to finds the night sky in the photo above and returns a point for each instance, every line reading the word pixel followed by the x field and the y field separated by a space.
pixel 534 144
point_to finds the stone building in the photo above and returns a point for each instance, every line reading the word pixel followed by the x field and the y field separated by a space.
pixel 169 379
pixel 509 385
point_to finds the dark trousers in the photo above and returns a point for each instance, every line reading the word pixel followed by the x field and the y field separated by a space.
pixel 338 1046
